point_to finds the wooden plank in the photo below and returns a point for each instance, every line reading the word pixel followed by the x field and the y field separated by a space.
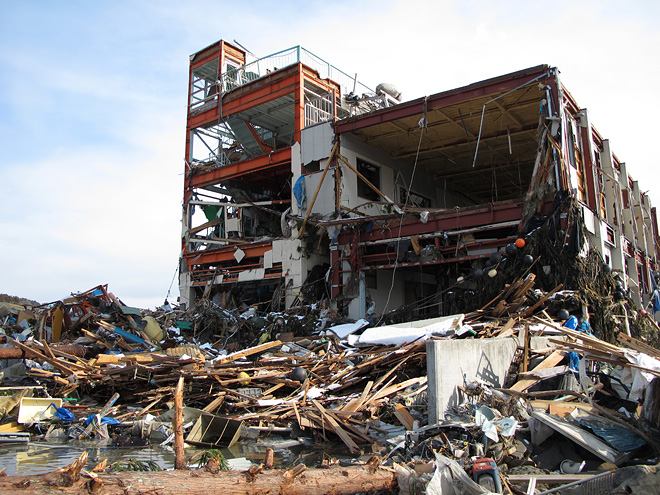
pixel 545 404
pixel 561 410
pixel 638 345
pixel 392 389
pixel 549 362
pixel 356 404
pixel 215 403
pixel 59 364
pixel 546 373
pixel 348 441
pixel 248 352
pixel 507 329
pixel 530 311
pixel 582 437
pixel 530 280
pixel 594 341
pixel 404 416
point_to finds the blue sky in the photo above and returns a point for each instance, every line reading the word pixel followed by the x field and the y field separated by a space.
pixel 93 98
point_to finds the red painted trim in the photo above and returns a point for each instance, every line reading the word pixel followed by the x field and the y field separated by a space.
pixel 226 254
pixel 590 178
pixel 274 159
pixel 461 219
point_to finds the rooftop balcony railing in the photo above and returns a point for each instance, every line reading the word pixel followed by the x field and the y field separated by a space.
pixel 205 85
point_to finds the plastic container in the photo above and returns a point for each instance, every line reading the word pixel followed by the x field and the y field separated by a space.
pixel 31 409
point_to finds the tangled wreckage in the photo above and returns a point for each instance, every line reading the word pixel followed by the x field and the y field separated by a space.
pixel 458 290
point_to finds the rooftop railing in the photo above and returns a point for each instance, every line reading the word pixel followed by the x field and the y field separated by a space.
pixel 205 85
pixel 253 70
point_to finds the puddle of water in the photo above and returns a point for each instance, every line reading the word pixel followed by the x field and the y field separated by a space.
pixel 42 457
pixel 39 458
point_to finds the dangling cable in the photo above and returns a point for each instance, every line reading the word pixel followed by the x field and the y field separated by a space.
pixel 172 283
pixel 422 125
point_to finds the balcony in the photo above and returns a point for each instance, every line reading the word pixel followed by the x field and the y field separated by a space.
pixel 208 81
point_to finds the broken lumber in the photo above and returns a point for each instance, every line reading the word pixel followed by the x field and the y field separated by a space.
pixel 550 362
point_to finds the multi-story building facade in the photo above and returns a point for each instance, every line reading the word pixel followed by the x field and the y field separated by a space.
pixel 299 177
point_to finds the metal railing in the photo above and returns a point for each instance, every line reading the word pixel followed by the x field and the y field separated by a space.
pixel 319 109
pixel 279 60
pixel 205 87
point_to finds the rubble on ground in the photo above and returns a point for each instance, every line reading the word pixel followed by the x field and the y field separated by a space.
pixel 89 367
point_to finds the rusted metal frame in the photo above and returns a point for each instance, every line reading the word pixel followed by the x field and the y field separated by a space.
pixel 391 256
pixel 242 103
pixel 202 277
pixel 205 273
pixel 235 104
pixel 458 232
pixel 252 250
pixel 194 65
pixel 398 265
pixel 264 147
pixel 439 100
pixel 233 278
pixel 205 54
pixel 274 159
pixel 241 205
pixel 491 214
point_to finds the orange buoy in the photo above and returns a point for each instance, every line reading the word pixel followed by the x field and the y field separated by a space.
pixel 520 243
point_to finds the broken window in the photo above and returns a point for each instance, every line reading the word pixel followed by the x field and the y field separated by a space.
pixel 371 173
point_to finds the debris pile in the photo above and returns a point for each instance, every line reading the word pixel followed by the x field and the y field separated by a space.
pixel 93 368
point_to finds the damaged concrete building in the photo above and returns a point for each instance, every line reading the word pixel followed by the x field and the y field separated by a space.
pixel 302 184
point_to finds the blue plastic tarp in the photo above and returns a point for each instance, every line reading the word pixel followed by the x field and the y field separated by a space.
pixel 299 191
pixel 104 421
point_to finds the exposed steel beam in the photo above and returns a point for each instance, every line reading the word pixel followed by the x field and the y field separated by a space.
pixel 226 254
pixel 415 107
pixel 466 218
pixel 390 256
pixel 244 98
pixel 274 159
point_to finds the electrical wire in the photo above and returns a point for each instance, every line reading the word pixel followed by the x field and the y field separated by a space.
pixel 422 125
pixel 172 283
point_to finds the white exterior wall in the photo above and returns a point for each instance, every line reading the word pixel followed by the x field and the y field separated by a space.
pixel 317 142
pixel 450 362
pixel 295 265
pixel 613 202
pixel 393 176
